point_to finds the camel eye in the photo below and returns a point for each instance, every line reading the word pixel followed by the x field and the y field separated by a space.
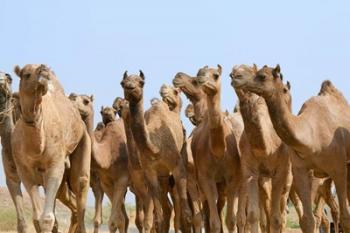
pixel 216 76
pixel 262 77
pixel 142 83
pixel 26 76
pixel 86 102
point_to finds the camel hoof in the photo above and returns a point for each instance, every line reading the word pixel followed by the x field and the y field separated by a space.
pixel 47 222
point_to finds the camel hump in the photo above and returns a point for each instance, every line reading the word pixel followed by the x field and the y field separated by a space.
pixel 327 88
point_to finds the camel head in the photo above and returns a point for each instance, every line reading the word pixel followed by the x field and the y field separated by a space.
pixel 35 82
pixel 188 86
pixel 189 112
pixel 210 79
pixel 122 107
pixel 5 90
pixel 171 96
pixel 108 114
pixel 84 103
pixel 133 86
pixel 242 72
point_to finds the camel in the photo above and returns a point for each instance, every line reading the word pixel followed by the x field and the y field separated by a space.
pixel 84 105
pixel 7 121
pixel 214 142
pixel 321 145
pixel 144 204
pixel 43 139
pixel 269 157
pixel 109 159
pixel 171 96
pixel 159 137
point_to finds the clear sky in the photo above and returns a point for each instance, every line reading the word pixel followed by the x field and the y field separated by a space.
pixel 89 44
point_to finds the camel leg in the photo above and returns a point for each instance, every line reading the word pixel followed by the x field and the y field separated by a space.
pixel 180 176
pixel 232 195
pixel 332 204
pixel 196 204
pixel 280 186
pixel 209 189
pixel 117 217
pixel 220 204
pixel 98 194
pixel 13 183
pixel 340 181
pixel 79 177
pixel 302 184
pixel 296 202
pixel 206 216
pixel 325 223
pixel 126 217
pixel 52 182
pixel 177 209
pixel 67 197
pixel 140 215
pixel 154 187
pixel 265 204
pixel 318 212
pixel 242 204
pixel 253 204
pixel 166 203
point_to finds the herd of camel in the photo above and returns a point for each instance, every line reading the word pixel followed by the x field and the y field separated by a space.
pixel 252 160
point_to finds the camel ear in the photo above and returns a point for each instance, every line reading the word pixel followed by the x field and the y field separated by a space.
pixel 276 71
pixel 18 70
pixel 255 68
pixel 92 98
pixel 72 96
pixel 205 67
pixel 125 75
pixel 177 91
pixel 9 78
pixel 117 102
pixel 101 109
pixel 219 69
pixel 288 85
pixel 142 75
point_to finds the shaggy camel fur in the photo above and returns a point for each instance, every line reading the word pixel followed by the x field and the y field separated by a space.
pixel 144 204
pixel 84 105
pixel 109 158
pixel 159 136
pixel 214 143
pixel 13 181
pixel 321 145
pixel 269 157
pixel 43 140
pixel 171 96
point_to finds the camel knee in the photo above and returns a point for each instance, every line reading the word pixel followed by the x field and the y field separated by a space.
pixel 47 222
pixel 307 223
pixel 84 182
pixel 276 222
pixel 117 222
pixel 253 217
pixel 21 225
pixel 230 223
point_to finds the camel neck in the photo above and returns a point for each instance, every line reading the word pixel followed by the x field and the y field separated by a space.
pixel 6 127
pixel 200 109
pixel 258 126
pixel 133 153
pixel 139 128
pixel 89 122
pixel 216 128
pixel 285 123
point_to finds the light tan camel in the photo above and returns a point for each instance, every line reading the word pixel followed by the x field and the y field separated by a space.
pixel 109 158
pixel 171 96
pixel 13 181
pixel 269 157
pixel 159 136
pixel 44 138
pixel 195 94
pixel 214 145
pixel 84 104
pixel 144 204
pixel 322 145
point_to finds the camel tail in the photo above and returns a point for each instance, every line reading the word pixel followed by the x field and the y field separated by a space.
pixel 327 88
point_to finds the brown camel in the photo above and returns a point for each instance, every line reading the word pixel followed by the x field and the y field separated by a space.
pixel 44 139
pixel 159 136
pixel 13 181
pixel 109 159
pixel 144 204
pixel 321 145
pixel 171 96
pixel 84 105
pixel 195 94
pixel 269 157
pixel 214 142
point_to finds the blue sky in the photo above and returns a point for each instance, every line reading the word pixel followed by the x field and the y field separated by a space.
pixel 89 44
